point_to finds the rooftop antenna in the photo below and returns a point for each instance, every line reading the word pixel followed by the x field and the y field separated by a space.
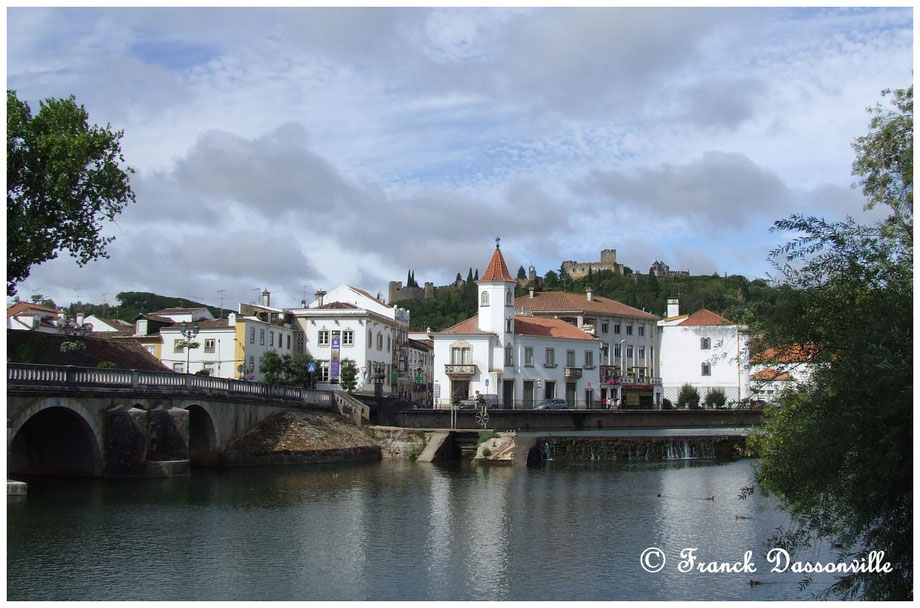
pixel 258 290
pixel 221 292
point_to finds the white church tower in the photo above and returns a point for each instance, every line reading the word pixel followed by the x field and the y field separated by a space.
pixel 496 307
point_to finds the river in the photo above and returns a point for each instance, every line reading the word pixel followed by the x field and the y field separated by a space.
pixel 398 530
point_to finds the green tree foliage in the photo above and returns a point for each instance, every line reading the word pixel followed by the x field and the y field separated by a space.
pixel 838 453
pixel 64 178
pixel 688 397
pixel 715 397
pixel 521 273
pixel 287 370
pixel 348 375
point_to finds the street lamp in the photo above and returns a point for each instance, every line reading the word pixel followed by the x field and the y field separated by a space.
pixel 189 330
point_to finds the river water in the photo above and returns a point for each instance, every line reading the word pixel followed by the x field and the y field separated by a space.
pixel 398 530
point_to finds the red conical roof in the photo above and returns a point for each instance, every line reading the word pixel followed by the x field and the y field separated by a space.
pixel 497 270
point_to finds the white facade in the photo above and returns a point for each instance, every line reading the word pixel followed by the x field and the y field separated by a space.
pixel 777 370
pixel 706 351
pixel 366 330
pixel 519 359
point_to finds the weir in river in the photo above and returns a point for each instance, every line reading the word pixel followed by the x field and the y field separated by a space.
pixel 621 445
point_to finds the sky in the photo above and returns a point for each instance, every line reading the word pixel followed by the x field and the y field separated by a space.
pixel 296 149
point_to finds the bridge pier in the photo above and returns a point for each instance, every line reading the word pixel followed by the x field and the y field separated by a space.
pixel 141 443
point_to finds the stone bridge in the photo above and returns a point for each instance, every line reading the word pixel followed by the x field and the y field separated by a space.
pixel 125 423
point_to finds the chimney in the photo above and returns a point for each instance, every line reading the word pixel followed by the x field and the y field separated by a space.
pixel 303 303
pixel 590 294
pixel 319 297
pixel 266 297
pixel 673 307
pixel 531 293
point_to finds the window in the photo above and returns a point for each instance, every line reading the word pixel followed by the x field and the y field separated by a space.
pixel 324 371
pixel 641 353
pixel 262 337
pixel 388 343
pixel 705 343
pixel 484 299
pixel 370 338
pixel 629 352
pixel 570 358
pixel 589 359
pixel 509 325
pixel 209 345
pixel 616 350
pixel 528 356
pixel 178 346
pixel 508 298
pixel 209 367
pixel 271 338
pixel 616 328
pixel 641 330
pixel 706 369
pixel 252 335
pixel 509 356
pixel 379 341
pixel 604 326
pixel 550 359
pixel 289 342
pixel 348 337
pixel 629 329
pixel 461 355
pixel 322 338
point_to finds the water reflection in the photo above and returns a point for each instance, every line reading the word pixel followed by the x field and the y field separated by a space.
pixel 394 530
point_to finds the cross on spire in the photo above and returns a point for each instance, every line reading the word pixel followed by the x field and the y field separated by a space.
pixel 497 239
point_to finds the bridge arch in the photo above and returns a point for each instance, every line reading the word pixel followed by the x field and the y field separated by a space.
pixel 55 437
pixel 202 436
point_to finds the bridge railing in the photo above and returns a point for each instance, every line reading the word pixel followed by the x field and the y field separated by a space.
pixel 25 374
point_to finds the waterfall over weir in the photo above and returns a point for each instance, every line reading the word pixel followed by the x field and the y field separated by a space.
pixel 637 448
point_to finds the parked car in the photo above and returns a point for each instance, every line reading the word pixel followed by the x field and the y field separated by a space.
pixel 471 404
pixel 552 404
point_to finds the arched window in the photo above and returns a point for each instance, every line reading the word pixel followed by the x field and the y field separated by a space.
pixel 705 343
pixel 509 299
pixel 706 369
pixel 484 299
pixel 509 356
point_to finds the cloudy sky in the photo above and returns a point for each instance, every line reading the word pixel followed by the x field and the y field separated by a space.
pixel 300 148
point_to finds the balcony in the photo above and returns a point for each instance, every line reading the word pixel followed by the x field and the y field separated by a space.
pixel 573 373
pixel 459 371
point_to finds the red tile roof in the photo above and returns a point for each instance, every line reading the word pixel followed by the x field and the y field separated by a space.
pixel 525 326
pixel 497 270
pixel 786 354
pixel 469 326
pixel 18 309
pixel 705 317
pixel 546 302
pixel 549 328
pixel 766 375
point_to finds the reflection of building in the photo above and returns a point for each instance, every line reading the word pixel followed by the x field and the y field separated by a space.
pixel 628 338
pixel 421 368
pixel 349 323
pixel 518 359
pixel 608 261
pixel 706 351
pixel 660 269
pixel 777 370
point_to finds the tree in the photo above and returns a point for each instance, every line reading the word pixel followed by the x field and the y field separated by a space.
pixel 715 397
pixel 348 375
pixel 64 177
pixel 521 273
pixel 838 453
pixel 688 396
pixel 272 368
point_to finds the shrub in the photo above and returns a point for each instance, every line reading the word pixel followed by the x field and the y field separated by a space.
pixel 715 398
pixel 107 365
pixel 689 396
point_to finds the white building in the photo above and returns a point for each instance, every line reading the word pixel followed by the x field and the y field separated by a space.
pixel 349 323
pixel 706 351
pixel 32 317
pixel 520 359
pixel 777 370
pixel 628 341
